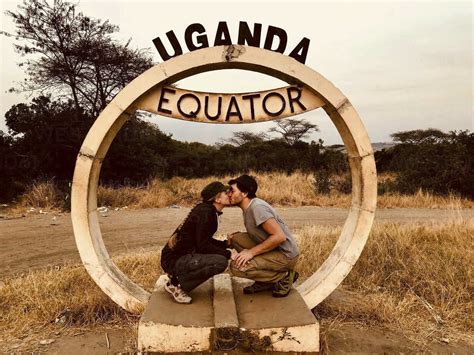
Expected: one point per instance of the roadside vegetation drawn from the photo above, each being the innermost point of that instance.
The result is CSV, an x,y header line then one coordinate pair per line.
x,y
411,278
300,189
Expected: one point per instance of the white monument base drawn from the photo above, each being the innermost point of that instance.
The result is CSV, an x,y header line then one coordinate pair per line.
x,y
222,318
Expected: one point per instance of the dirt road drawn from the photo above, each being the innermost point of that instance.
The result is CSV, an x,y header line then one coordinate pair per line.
x,y
39,240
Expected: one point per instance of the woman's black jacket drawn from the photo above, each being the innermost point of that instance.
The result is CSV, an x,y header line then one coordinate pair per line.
x,y
196,236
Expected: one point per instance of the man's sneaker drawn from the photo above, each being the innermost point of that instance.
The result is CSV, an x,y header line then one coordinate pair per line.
x,y
178,294
283,287
258,287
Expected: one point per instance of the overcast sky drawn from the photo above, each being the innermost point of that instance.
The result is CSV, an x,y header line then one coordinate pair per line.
x,y
403,65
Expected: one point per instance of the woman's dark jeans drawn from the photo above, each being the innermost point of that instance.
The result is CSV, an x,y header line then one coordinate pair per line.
x,y
191,270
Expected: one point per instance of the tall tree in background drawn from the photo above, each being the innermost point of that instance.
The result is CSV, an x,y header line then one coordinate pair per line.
x,y
419,136
294,130
66,49
244,137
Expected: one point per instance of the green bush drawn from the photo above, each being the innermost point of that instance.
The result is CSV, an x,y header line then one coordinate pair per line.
x,y
322,182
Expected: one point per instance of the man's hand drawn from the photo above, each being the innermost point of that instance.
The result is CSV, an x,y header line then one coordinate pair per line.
x,y
233,254
241,260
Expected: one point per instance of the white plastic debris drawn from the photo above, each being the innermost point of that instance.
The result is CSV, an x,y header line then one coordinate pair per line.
x,y
64,316
54,221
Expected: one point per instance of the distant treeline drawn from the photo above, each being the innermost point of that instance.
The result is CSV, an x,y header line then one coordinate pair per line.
x,y
431,160
45,136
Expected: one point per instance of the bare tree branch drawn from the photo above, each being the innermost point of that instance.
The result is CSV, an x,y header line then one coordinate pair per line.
x,y
66,49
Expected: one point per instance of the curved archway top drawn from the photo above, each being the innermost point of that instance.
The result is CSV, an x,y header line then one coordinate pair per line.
x,y
356,229
239,57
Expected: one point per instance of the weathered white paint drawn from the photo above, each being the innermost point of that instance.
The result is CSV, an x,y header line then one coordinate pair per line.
x,y
222,108
356,229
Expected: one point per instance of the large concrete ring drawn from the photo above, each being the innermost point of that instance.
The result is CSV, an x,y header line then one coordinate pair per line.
x,y
316,288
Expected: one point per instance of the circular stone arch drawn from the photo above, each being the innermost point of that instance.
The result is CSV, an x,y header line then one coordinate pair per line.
x,y
355,231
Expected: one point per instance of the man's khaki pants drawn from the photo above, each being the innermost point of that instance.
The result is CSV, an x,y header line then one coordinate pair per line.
x,y
267,267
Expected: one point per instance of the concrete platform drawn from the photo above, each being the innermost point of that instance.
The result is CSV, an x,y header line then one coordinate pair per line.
x,y
167,326
287,321
222,319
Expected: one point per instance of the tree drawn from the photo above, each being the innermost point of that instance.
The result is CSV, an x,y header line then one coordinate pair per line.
x,y
240,138
47,136
432,160
9,165
294,130
69,50
418,136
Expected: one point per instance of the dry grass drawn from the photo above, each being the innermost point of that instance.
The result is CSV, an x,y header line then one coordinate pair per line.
x,y
279,189
423,199
411,278
43,194
30,303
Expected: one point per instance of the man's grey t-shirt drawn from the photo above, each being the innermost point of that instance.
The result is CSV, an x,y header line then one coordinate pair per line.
x,y
259,212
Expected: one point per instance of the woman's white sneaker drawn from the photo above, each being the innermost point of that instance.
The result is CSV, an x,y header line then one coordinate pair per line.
x,y
178,294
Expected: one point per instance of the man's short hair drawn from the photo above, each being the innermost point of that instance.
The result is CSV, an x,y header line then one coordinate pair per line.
x,y
247,184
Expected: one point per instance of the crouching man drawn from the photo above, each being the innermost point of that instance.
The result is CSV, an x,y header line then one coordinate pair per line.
x,y
268,252
192,255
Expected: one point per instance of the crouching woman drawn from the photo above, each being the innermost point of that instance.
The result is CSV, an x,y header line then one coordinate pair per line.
x,y
192,255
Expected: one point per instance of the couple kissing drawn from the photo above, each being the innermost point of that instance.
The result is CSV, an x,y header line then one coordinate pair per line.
x,y
266,253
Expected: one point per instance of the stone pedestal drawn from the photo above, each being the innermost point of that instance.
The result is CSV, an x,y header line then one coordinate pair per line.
x,y
222,318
